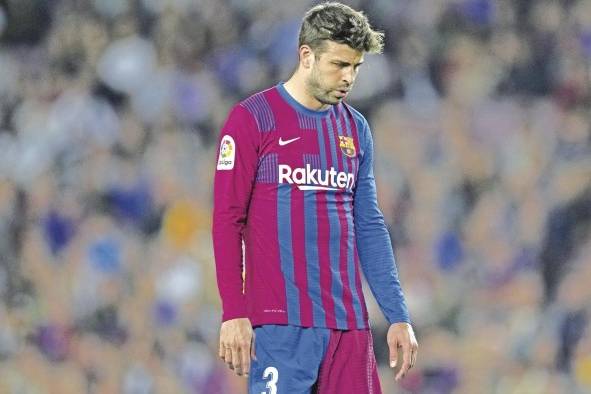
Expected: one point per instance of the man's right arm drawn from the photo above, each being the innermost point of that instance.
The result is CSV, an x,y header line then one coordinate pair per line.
x,y
236,165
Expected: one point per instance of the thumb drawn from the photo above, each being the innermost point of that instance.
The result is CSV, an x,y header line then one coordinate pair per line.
x,y
252,348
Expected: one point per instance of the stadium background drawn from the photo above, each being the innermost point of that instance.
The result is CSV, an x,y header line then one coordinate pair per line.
x,y
109,110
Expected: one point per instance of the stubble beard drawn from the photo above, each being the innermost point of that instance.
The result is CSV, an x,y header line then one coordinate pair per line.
x,y
320,93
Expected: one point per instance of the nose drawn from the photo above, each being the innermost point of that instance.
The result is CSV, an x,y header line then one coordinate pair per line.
x,y
349,74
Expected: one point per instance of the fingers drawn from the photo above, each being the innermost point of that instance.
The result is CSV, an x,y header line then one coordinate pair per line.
x,y
237,357
393,354
252,347
228,357
236,363
406,356
413,359
245,359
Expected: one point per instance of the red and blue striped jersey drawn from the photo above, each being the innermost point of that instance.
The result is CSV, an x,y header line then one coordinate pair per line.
x,y
296,217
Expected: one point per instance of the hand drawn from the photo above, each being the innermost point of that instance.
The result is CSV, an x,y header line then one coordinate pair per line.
x,y
401,335
237,345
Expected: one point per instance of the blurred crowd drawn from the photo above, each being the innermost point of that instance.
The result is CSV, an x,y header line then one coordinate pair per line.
x,y
109,112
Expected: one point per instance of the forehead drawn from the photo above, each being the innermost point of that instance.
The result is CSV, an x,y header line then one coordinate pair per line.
x,y
342,52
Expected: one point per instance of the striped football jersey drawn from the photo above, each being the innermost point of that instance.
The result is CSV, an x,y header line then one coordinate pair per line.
x,y
295,187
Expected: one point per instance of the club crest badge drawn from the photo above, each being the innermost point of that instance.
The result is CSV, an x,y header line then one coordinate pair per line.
x,y
347,145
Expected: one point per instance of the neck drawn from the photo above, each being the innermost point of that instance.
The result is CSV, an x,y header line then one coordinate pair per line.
x,y
296,87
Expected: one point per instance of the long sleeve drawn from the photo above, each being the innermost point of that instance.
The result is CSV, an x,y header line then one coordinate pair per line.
x,y
234,179
373,240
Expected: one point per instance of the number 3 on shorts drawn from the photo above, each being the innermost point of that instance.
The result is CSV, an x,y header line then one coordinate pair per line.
x,y
272,383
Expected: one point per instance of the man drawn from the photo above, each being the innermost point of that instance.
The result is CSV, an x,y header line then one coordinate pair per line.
x,y
294,185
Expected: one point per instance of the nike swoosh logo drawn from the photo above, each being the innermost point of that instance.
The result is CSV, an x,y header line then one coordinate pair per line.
x,y
285,142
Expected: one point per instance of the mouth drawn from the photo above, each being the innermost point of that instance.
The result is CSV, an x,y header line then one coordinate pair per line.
x,y
342,92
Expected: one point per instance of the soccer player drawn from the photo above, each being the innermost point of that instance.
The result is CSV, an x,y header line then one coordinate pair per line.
x,y
296,218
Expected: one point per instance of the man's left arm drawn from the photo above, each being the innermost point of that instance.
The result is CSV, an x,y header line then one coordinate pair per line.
x,y
376,256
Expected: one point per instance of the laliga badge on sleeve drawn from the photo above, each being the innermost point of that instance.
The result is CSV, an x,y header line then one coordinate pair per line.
x,y
227,153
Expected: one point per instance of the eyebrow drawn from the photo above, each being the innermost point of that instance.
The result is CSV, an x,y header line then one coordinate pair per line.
x,y
340,62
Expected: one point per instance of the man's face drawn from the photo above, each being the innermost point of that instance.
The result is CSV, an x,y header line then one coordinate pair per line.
x,y
333,72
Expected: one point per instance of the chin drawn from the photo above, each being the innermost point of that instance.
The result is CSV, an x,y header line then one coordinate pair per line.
x,y
329,100
333,100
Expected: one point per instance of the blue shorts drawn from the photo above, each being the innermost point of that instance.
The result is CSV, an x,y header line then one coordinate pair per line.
x,y
300,360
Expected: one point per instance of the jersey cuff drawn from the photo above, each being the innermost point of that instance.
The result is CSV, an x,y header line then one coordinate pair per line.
x,y
403,318
234,310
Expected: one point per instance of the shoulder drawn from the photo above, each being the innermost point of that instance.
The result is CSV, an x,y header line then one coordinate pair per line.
x,y
250,108
258,106
258,98
358,116
360,121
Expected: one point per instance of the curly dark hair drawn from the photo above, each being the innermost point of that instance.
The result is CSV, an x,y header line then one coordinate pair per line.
x,y
342,24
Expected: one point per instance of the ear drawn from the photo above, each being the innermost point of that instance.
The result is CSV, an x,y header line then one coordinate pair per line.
x,y
306,56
